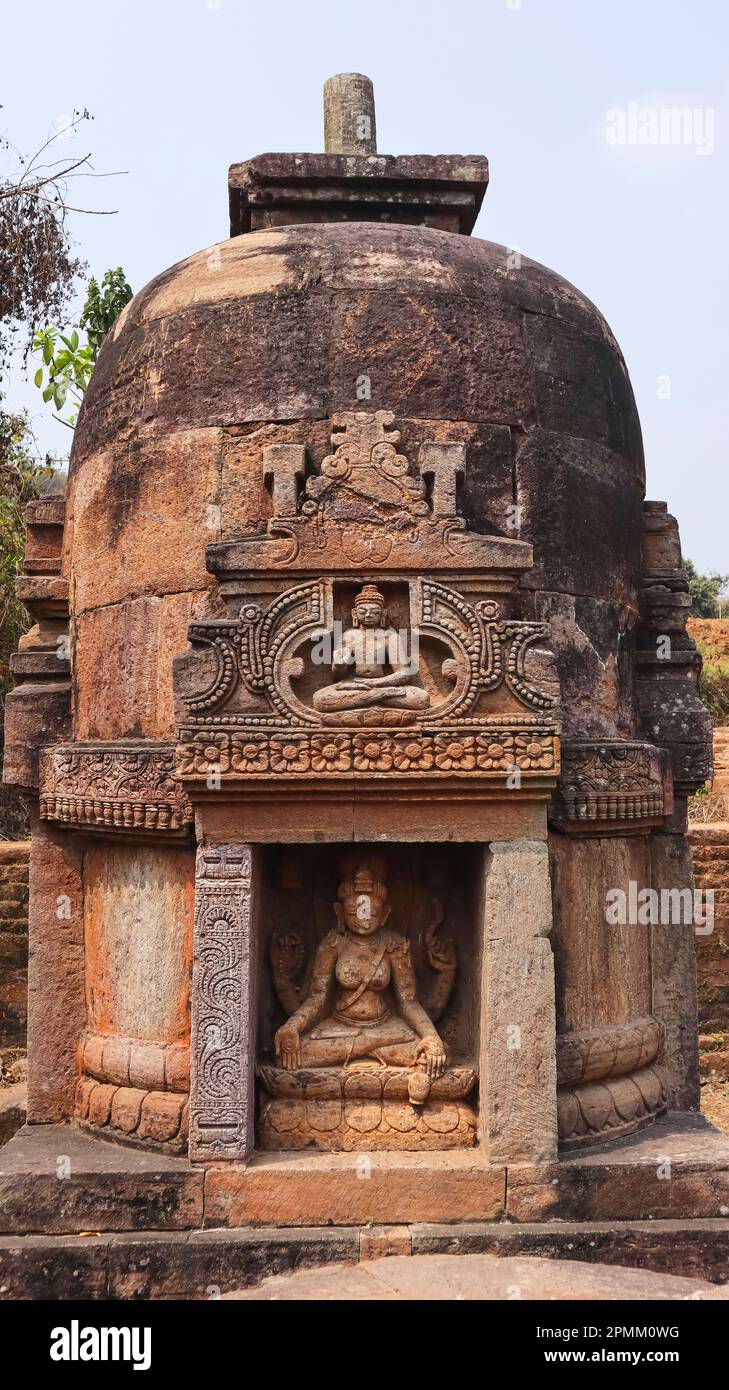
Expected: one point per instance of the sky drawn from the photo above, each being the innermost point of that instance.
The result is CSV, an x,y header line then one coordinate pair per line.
x,y
570,100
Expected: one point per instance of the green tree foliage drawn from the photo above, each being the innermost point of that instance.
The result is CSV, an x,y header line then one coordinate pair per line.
x,y
67,362
704,590
103,306
38,270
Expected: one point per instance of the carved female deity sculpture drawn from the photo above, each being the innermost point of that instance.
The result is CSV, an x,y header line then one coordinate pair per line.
x,y
362,1002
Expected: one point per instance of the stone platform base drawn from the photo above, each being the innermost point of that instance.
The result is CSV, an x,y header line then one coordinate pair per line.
x,y
662,1195
210,1264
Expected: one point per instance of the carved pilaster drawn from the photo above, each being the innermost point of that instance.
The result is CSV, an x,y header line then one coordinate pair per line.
x,y
518,1069
222,1086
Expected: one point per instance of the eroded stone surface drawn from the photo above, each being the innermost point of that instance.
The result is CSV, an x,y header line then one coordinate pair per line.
x,y
443,1278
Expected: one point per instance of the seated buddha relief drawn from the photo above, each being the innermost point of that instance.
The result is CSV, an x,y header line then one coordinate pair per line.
x,y
373,668
361,1036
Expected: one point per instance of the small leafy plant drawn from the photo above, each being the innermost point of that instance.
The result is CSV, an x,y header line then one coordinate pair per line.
x,y
66,362
68,365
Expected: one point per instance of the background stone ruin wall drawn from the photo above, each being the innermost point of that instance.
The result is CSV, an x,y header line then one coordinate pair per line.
x,y
14,864
14,859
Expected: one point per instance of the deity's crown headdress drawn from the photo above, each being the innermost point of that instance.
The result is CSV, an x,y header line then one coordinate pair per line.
x,y
369,593
364,876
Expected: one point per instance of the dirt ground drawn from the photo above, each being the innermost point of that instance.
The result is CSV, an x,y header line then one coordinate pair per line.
x,y
714,1070
13,1068
715,1103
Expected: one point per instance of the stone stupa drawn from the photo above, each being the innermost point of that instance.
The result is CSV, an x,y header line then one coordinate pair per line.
x,y
378,689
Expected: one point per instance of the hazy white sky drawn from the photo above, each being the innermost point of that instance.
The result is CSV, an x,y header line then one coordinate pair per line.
x,y
179,89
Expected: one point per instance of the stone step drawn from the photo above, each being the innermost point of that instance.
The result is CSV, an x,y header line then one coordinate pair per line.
x,y
209,1264
56,1179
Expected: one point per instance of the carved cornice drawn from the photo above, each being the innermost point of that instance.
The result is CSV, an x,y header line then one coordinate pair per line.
x,y
124,786
603,784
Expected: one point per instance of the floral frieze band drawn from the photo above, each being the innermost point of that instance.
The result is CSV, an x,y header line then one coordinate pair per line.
x,y
482,751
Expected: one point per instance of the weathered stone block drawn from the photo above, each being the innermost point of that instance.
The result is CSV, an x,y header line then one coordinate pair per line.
x,y
518,1062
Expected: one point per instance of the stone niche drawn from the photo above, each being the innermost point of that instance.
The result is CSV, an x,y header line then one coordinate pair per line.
x,y
419,978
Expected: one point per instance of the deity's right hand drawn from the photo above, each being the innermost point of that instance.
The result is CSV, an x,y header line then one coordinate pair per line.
x,y
287,1044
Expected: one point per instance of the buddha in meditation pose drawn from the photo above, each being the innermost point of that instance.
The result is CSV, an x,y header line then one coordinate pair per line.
x,y
379,672
363,999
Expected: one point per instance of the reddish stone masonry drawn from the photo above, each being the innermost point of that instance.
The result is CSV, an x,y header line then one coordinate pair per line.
x,y
14,861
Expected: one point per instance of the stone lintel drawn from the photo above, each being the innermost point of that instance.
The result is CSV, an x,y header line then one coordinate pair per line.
x,y
420,818
464,552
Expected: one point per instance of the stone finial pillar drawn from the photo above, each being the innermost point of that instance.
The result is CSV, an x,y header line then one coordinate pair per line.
x,y
283,468
518,1067
349,114
223,1040
38,709
446,465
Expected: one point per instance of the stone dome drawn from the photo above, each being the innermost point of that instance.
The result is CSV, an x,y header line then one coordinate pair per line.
x,y
261,339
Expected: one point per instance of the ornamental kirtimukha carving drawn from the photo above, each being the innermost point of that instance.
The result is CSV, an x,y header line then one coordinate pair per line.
x,y
360,1054
397,652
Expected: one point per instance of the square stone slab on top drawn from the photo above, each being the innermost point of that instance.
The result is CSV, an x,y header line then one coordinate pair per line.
x,y
274,190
